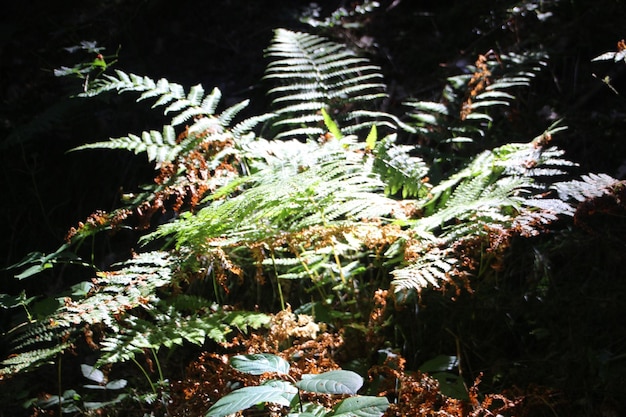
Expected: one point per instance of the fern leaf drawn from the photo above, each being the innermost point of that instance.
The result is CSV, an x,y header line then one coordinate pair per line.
x,y
320,74
227,115
400,171
160,147
430,270
591,186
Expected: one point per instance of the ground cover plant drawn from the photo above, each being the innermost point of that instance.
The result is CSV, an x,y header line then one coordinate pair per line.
x,y
329,244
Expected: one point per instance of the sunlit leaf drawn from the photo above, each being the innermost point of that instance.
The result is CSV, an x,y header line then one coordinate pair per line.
x,y
361,407
247,397
92,373
440,363
332,382
259,363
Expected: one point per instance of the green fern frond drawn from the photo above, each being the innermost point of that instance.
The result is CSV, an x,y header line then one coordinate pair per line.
x,y
283,199
590,186
501,189
167,327
194,104
400,171
174,321
432,269
31,359
114,295
160,147
464,113
299,196
320,74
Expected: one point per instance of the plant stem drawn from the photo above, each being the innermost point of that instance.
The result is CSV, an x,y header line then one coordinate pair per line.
x,y
60,393
280,290
158,364
144,374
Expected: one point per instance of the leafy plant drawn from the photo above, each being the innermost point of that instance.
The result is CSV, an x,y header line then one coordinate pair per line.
x,y
72,402
316,74
466,115
286,391
317,207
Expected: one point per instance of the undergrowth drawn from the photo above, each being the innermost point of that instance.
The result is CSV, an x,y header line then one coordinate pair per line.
x,y
321,205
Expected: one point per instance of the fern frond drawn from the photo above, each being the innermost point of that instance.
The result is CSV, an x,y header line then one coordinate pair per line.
x,y
167,327
31,359
464,113
590,186
194,104
400,171
300,196
114,295
432,269
502,189
320,74
160,147
174,321
287,200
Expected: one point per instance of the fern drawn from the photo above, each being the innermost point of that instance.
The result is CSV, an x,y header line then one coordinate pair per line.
x,y
113,294
192,105
167,325
159,147
31,359
288,197
400,171
591,186
319,74
193,162
468,100
500,189
430,270
327,212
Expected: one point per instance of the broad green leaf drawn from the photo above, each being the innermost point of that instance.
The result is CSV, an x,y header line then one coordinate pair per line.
x,y
247,397
332,382
361,407
451,385
287,388
92,373
259,363
440,363
117,384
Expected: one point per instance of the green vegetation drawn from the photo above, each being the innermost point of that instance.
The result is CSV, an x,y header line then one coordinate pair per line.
x,y
330,243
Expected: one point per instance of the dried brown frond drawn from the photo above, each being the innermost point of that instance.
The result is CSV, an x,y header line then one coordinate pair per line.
x,y
99,220
479,81
376,318
612,204
207,379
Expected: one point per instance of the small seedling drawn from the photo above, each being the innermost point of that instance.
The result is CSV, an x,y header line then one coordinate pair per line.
x,y
286,391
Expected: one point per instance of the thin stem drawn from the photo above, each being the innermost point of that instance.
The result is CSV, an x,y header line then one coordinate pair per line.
x,y
280,290
216,288
458,357
334,249
313,275
60,393
158,364
144,374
